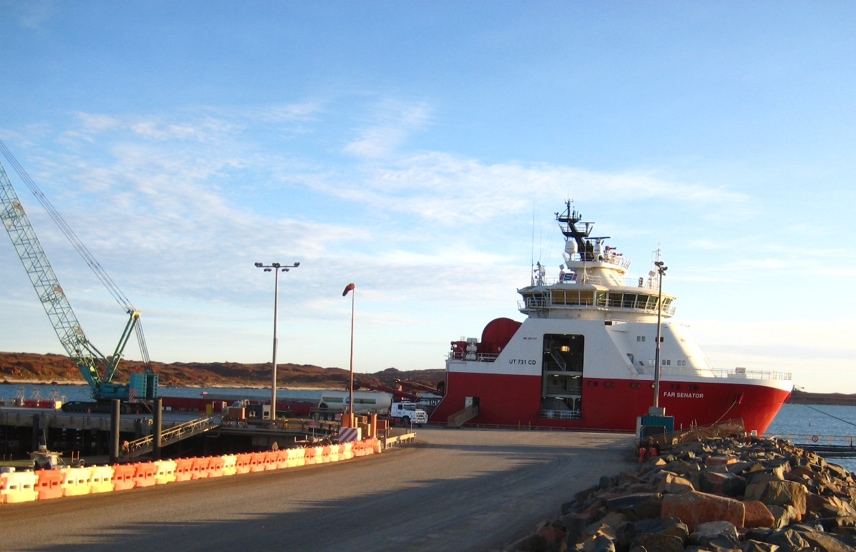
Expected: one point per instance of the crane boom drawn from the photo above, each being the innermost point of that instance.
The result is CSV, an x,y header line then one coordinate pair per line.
x,y
89,360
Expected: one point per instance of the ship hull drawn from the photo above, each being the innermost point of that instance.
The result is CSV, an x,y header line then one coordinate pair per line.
x,y
612,404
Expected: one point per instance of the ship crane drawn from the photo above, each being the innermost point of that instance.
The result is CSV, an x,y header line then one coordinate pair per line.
x,y
97,369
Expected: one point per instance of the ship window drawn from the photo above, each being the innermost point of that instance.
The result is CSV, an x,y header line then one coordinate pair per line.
x,y
640,338
629,300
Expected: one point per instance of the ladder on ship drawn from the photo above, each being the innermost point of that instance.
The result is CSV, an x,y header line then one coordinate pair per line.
x,y
145,445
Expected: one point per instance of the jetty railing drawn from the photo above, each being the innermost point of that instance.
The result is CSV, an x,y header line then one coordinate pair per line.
x,y
144,445
828,446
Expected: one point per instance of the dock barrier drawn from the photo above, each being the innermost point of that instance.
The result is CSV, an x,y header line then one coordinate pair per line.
x,y
17,487
165,472
28,486
229,464
100,479
49,484
75,481
123,477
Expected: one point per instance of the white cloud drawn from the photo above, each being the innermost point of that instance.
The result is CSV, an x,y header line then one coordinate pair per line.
x,y
393,122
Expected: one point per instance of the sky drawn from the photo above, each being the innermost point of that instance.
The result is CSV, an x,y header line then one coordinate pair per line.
x,y
420,150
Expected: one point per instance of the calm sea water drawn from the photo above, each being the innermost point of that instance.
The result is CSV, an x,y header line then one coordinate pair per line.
x,y
800,423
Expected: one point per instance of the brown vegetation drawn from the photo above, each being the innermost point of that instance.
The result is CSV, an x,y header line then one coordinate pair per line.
x,y
30,367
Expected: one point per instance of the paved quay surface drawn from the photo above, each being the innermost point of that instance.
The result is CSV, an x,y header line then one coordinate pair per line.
x,y
465,489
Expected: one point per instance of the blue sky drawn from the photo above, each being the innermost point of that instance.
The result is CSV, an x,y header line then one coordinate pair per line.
x,y
419,150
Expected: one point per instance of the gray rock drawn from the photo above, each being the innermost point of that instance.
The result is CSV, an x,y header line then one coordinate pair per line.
x,y
716,533
788,540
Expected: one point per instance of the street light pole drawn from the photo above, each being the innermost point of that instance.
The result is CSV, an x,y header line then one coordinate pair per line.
x,y
351,287
661,272
276,268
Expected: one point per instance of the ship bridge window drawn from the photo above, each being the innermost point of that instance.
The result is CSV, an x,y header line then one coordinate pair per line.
x,y
628,300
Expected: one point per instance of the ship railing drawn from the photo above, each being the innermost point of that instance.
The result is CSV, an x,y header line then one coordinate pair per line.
x,y
648,283
477,357
734,373
743,373
617,303
550,414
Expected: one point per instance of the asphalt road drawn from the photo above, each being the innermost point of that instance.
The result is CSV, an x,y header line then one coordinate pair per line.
x,y
453,490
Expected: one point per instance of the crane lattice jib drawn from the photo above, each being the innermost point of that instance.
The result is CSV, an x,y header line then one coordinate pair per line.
x,y
45,282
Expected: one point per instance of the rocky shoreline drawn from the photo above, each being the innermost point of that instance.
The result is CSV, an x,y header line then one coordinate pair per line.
x,y
719,494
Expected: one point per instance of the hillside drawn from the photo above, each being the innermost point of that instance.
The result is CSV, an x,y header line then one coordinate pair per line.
x,y
36,368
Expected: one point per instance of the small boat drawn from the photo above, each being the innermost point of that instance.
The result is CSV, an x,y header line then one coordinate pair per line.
x,y
586,356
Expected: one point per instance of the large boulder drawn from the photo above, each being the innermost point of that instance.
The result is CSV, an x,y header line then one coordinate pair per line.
x,y
694,507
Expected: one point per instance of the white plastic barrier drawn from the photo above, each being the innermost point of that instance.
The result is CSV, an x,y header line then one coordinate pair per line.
x,y
165,472
75,481
100,479
229,464
16,487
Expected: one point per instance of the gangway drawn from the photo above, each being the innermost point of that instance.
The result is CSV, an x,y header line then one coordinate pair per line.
x,y
145,445
461,417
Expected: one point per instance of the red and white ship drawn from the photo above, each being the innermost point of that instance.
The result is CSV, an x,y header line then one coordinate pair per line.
x,y
585,355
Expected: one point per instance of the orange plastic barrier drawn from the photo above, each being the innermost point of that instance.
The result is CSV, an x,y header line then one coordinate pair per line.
x,y
269,459
325,454
49,484
283,459
183,469
200,467
165,472
229,467
16,487
358,448
215,466
257,462
242,462
309,455
123,476
144,475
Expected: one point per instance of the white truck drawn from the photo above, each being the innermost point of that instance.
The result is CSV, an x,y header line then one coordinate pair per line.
x,y
407,413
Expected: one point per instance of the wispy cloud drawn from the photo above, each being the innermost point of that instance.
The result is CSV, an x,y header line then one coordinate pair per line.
x,y
391,124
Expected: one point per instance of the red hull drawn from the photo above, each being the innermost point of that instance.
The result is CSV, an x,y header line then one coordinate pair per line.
x,y
611,404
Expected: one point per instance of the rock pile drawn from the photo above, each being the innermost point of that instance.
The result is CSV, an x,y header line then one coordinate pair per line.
x,y
747,494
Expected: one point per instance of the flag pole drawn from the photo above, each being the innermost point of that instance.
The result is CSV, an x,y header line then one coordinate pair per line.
x,y
348,288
